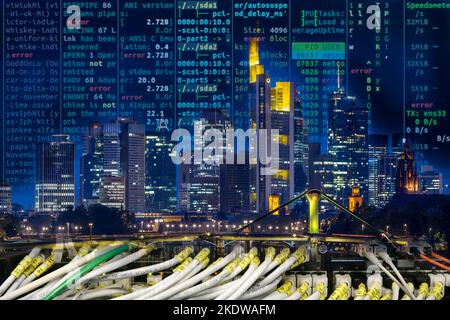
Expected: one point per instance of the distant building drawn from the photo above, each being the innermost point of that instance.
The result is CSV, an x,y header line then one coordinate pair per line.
x,y
132,163
111,149
321,172
430,181
386,179
5,198
55,170
91,164
198,183
160,185
112,192
378,147
407,181
234,188
115,149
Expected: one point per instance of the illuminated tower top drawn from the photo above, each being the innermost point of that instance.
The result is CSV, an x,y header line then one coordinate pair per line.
x,y
253,60
281,97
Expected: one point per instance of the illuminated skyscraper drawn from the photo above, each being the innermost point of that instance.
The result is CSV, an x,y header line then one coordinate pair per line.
x,y
337,141
256,68
91,165
358,169
301,150
378,146
111,148
260,118
282,119
55,182
347,144
114,150
321,172
160,185
382,170
198,183
132,163
386,176
273,108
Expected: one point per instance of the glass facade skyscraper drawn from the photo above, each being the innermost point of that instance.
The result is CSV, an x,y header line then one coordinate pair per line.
x,y
160,185
348,145
55,175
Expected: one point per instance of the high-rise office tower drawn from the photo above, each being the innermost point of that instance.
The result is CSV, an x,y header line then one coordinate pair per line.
x,y
386,175
55,169
282,119
358,169
301,150
321,172
274,108
383,157
198,182
91,165
132,164
235,188
337,141
378,146
5,198
160,185
111,149
347,144
260,118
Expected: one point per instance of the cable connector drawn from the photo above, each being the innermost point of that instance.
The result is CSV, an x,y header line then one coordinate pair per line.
x,y
437,277
375,280
307,282
321,280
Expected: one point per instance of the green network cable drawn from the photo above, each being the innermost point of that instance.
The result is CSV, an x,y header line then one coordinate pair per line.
x,y
85,269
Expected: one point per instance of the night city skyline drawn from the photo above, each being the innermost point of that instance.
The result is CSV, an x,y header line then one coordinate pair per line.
x,y
105,150
320,60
